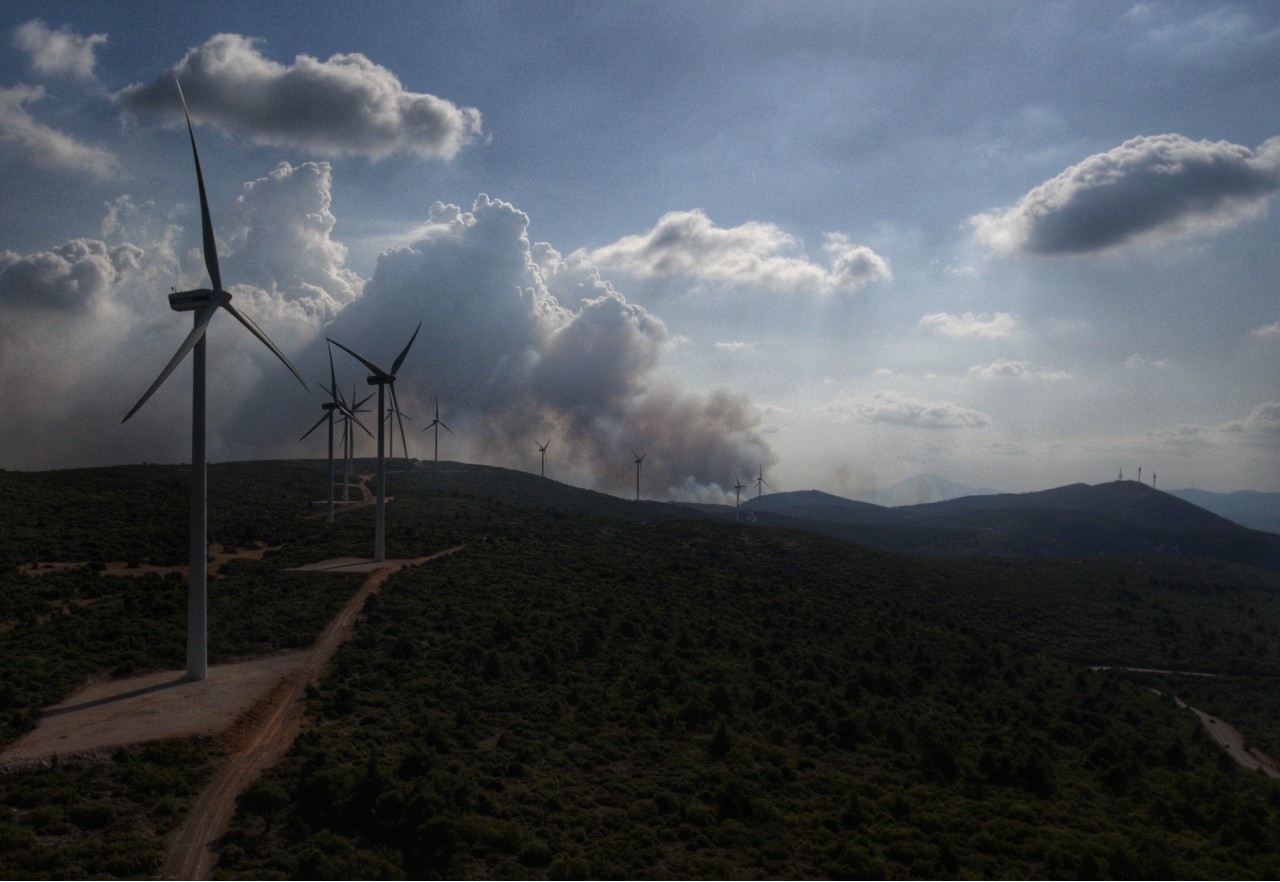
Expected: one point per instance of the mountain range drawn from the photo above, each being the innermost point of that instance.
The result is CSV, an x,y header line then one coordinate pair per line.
x,y
1077,520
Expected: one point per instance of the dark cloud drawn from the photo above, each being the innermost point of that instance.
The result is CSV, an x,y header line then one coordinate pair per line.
x,y
1147,188
345,105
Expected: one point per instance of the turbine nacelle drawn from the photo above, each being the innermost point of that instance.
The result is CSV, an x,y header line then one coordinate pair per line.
x,y
189,301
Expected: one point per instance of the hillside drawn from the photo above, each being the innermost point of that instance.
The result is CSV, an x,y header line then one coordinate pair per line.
x,y
595,687
1123,518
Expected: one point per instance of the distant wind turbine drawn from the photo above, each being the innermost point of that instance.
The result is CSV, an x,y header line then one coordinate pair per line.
x,y
437,425
382,379
737,492
639,459
349,438
760,482
394,412
204,302
542,448
334,403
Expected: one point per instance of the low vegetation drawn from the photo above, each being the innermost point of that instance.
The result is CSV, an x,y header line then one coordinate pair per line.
x,y
595,687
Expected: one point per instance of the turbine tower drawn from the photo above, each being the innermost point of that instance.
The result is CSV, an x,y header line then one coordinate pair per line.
x,y
737,493
334,403
437,425
203,302
639,459
382,379
542,448
760,482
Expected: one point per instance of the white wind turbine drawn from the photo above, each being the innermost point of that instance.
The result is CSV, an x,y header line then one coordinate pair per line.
x,y
382,379
204,302
349,438
437,425
334,403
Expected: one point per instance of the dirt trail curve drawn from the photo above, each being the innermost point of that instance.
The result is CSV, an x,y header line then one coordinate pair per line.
x,y
267,731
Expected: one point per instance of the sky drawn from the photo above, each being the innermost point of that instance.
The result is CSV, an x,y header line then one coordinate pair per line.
x,y
1018,245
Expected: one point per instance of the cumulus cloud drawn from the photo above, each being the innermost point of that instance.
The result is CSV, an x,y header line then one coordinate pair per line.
x,y
689,244
347,105
1007,368
1259,429
519,342
58,53
970,326
889,407
1271,331
281,239
1147,189
41,146
74,277
90,317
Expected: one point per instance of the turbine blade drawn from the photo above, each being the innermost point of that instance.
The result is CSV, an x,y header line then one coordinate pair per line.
x,y
316,426
261,335
361,403
446,428
361,425
396,407
333,380
377,371
395,367
187,345
210,247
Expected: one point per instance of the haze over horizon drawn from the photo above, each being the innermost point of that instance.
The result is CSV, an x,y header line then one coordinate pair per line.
x,y
1019,246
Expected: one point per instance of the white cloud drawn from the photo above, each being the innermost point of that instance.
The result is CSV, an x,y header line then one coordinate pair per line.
x,y
1009,368
1271,331
40,145
1139,362
1260,428
347,105
58,53
281,239
687,243
733,346
1147,189
888,407
983,327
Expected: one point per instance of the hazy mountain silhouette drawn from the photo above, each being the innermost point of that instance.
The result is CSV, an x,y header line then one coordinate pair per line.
x,y
1248,508
1078,520
921,489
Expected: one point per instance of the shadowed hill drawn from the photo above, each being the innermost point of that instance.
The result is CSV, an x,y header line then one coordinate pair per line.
x,y
1078,520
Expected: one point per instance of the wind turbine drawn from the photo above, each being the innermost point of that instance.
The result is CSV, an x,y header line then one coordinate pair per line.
x,y
334,403
760,482
437,425
737,492
639,459
203,302
400,416
382,379
348,436
542,448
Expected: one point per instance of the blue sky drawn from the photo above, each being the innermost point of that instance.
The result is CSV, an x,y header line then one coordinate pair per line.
x,y
1019,245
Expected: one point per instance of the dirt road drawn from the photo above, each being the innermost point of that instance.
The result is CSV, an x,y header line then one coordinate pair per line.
x,y
254,708
270,730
